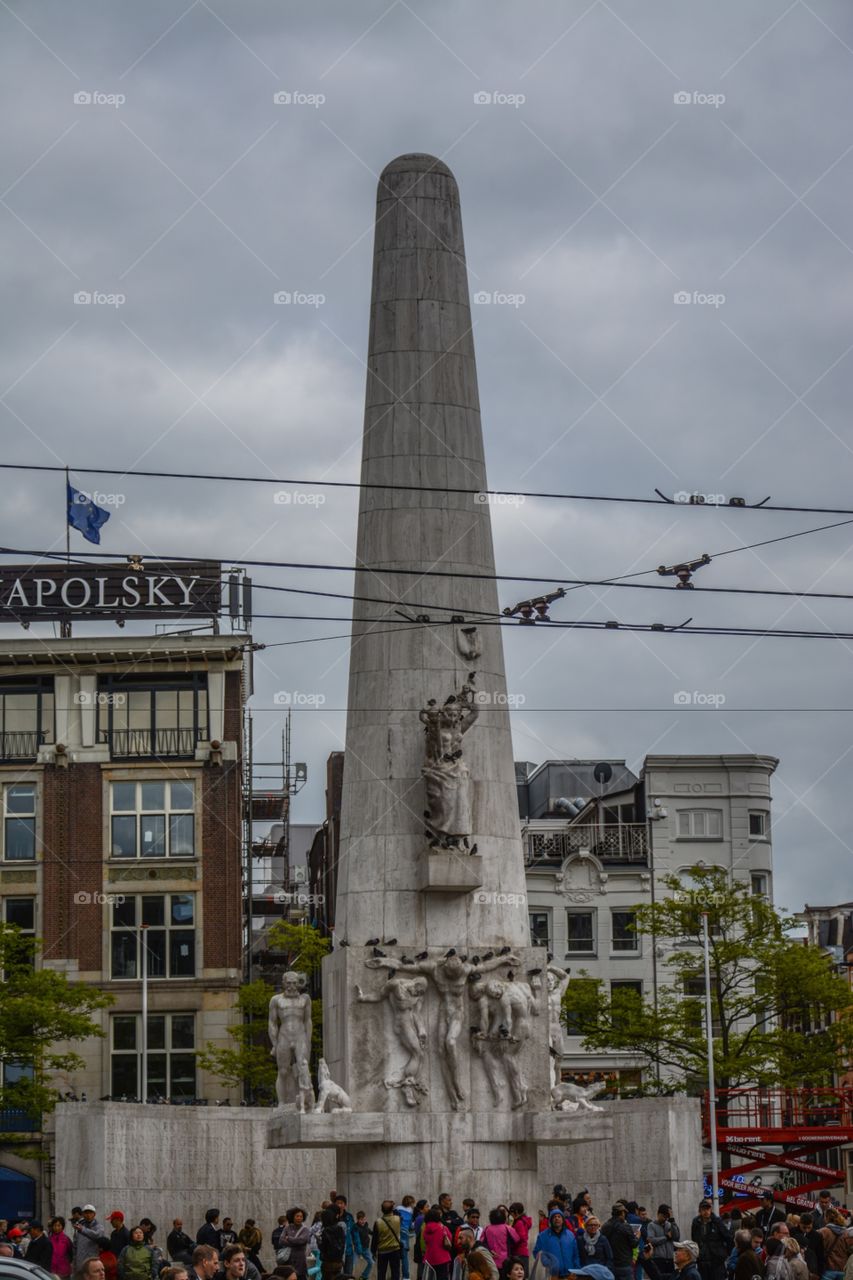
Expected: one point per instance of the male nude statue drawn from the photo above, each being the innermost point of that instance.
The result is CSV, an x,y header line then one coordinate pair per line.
x,y
290,1034
405,997
450,975
558,981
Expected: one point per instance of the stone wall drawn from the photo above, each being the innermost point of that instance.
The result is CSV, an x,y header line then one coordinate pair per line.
x,y
170,1162
177,1162
655,1158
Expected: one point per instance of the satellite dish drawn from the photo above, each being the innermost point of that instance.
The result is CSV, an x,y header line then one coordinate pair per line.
x,y
602,772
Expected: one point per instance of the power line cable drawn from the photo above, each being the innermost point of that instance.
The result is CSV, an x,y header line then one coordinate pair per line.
x,y
660,501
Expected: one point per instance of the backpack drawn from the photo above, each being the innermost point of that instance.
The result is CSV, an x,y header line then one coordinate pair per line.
x,y
332,1243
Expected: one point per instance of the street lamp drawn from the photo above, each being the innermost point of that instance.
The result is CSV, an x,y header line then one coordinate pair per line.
x,y
144,944
712,1093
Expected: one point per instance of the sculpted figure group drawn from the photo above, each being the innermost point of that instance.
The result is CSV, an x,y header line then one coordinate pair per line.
x,y
499,1021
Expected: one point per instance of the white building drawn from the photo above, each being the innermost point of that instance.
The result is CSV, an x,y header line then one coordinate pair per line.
x,y
599,841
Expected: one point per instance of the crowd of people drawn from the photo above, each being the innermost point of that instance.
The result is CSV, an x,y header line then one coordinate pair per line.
x,y
423,1240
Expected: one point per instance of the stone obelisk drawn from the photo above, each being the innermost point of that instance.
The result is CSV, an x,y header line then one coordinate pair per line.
x,y
435,1004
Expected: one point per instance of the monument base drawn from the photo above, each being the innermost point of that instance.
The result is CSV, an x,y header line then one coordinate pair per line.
x,y
342,1129
491,1155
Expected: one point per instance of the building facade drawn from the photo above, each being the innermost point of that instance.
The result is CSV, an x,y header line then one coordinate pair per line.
x,y
122,783
600,841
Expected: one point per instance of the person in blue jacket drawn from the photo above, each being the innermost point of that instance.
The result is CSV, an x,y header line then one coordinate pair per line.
x,y
557,1247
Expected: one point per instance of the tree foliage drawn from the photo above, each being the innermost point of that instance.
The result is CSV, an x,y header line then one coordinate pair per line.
x,y
780,1014
246,1062
303,945
42,1014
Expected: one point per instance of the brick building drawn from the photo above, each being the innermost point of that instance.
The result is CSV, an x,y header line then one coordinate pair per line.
x,y
122,782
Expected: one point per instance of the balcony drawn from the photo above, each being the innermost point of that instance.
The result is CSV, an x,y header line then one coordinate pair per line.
x,y
618,844
17,1120
20,746
135,744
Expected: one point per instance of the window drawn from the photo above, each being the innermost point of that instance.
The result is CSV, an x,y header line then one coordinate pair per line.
x,y
19,822
26,718
694,990
758,824
540,928
20,912
152,819
140,717
577,996
167,923
700,824
626,999
758,884
580,931
171,1060
624,931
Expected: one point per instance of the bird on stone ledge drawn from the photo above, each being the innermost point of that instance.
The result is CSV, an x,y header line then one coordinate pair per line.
x,y
378,954
422,955
372,942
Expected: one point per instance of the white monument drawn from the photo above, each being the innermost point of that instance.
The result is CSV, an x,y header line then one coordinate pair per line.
x,y
436,1011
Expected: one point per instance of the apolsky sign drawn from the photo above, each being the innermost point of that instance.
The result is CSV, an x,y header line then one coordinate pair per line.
x,y
161,589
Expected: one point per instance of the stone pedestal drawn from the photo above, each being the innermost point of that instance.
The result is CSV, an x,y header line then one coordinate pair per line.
x,y
489,1155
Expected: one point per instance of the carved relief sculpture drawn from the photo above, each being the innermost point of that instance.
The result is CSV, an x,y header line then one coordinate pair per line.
x,y
505,1007
405,997
290,1036
446,778
450,974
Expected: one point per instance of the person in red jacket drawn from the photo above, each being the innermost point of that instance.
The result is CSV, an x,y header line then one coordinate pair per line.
x,y
438,1244
522,1224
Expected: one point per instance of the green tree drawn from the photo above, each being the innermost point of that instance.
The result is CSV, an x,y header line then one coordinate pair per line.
x,y
42,1014
303,945
769,993
246,1062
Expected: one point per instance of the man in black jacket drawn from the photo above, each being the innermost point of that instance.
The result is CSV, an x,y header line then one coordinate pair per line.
x,y
769,1214
449,1216
622,1240
119,1235
714,1241
178,1244
209,1232
39,1250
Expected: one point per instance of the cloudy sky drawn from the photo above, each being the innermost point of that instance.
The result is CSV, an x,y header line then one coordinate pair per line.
x,y
624,154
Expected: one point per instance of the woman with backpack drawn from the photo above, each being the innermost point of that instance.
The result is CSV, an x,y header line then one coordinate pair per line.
x,y
438,1244
332,1243
499,1238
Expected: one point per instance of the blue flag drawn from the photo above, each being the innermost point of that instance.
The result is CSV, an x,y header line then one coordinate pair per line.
x,y
85,515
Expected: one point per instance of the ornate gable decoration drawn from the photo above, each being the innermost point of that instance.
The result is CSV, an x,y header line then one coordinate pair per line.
x,y
581,877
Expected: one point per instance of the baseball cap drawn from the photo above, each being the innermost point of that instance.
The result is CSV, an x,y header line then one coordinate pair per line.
x,y
691,1247
89,1208
15,1233
116,1213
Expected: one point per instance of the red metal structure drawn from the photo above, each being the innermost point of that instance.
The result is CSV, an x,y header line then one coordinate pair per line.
x,y
780,1128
